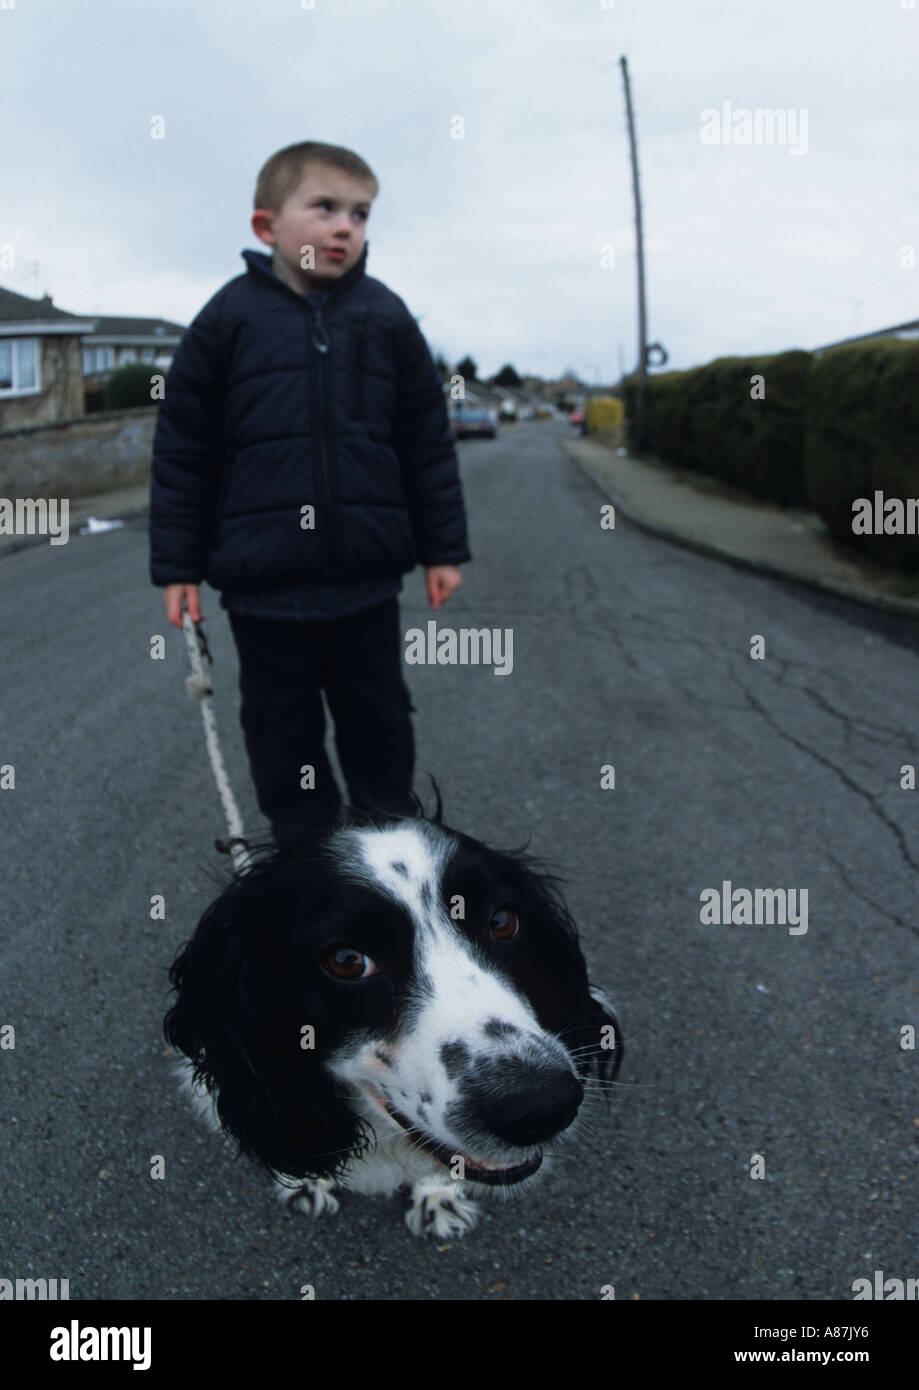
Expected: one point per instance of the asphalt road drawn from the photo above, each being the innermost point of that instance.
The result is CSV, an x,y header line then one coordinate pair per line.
x,y
742,1040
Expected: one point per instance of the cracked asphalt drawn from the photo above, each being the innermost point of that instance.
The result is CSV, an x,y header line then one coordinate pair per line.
x,y
742,1040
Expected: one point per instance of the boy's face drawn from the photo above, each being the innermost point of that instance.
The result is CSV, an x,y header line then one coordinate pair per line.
x,y
328,211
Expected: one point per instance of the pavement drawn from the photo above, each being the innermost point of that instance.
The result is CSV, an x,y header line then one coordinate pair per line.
x,y
688,509
702,514
121,504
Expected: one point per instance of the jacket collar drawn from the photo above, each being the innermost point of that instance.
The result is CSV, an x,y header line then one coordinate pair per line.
x,y
259,264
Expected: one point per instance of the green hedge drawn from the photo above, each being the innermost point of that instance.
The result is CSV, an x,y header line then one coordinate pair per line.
x,y
130,386
829,430
707,419
862,437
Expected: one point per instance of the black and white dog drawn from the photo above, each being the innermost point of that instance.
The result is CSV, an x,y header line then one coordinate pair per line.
x,y
396,1004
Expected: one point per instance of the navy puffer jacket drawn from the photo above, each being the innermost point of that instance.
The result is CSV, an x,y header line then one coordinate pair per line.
x,y
274,403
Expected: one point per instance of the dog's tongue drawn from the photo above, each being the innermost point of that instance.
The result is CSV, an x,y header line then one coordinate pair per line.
x,y
497,1174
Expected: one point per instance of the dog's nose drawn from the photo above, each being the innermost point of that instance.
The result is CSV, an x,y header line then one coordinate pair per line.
x,y
531,1105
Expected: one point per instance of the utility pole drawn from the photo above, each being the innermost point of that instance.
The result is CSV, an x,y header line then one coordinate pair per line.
x,y
640,439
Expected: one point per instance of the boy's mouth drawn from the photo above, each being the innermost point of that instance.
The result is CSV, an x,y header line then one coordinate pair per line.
x,y
335,254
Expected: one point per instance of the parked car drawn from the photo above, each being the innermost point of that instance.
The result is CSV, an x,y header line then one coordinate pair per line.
x,y
576,417
474,421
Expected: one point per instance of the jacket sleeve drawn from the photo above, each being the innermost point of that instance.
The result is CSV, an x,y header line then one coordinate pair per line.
x,y
188,454
423,441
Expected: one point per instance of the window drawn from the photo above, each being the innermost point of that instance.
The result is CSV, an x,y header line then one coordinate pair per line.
x,y
97,359
127,355
19,370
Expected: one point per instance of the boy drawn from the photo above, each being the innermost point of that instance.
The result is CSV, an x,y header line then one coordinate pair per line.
x,y
302,463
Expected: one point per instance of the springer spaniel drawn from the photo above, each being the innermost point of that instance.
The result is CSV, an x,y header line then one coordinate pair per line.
x,y
394,1004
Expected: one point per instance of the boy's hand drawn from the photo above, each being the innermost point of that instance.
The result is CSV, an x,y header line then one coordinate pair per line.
x,y
441,581
174,593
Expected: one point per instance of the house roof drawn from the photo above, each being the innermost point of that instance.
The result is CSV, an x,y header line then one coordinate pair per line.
x,y
19,308
117,326
905,330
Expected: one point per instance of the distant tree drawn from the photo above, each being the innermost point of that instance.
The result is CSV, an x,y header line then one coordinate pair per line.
x,y
506,377
442,365
467,369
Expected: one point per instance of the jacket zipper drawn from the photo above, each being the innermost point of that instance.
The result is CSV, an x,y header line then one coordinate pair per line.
x,y
327,532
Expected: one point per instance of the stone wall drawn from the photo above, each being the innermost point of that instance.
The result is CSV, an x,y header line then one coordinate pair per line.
x,y
95,453
61,378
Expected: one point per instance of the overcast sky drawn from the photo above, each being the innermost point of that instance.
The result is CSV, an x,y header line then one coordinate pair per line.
x,y
501,243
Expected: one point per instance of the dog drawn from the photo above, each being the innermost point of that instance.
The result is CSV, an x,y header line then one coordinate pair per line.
x,y
395,1003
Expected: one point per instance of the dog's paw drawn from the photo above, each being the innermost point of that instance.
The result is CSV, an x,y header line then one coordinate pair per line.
x,y
440,1211
314,1197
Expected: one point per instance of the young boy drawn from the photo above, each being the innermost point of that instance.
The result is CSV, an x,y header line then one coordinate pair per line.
x,y
302,463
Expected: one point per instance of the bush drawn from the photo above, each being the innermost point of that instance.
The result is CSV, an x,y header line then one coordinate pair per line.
x,y
130,386
708,419
603,413
828,430
758,444
862,436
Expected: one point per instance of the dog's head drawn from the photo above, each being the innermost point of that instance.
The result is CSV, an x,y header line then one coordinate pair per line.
x,y
395,980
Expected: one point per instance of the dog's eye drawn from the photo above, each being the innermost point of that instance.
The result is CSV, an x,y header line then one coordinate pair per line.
x,y
504,924
345,963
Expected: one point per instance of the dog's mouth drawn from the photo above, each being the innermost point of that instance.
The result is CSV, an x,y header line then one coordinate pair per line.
x,y
472,1170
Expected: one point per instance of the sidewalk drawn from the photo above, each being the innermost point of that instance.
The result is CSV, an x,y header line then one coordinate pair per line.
x,y
702,514
124,504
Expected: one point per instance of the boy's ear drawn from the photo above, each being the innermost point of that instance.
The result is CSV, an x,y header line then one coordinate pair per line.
x,y
263,225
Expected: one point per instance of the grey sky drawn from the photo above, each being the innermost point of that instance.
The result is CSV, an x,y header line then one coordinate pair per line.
x,y
495,241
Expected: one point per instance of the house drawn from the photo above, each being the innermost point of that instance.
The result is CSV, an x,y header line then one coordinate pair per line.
x,y
41,370
906,331
53,364
115,341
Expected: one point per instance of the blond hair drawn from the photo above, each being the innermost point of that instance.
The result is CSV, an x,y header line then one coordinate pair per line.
x,y
280,175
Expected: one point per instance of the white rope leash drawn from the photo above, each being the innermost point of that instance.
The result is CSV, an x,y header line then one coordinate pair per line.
x,y
199,688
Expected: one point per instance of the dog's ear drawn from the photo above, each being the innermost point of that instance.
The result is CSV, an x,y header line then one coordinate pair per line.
x,y
241,1017
604,1035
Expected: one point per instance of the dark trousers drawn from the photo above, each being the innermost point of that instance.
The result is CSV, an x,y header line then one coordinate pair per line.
x,y
357,662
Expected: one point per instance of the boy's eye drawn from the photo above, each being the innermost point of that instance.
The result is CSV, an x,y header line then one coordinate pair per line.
x,y
362,213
